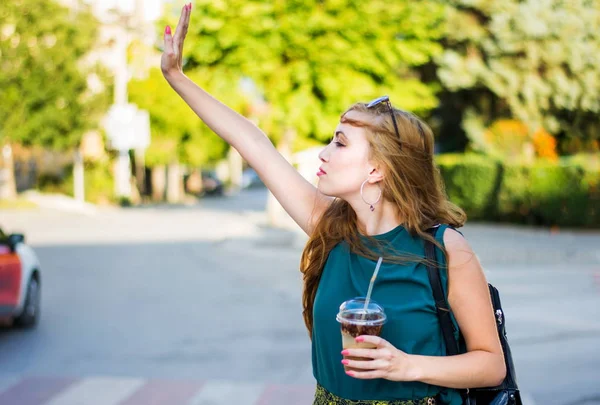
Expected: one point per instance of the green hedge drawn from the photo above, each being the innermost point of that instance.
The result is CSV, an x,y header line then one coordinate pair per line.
x,y
565,193
99,184
471,183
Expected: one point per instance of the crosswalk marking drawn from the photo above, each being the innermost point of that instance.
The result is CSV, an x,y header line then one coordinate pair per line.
x,y
133,391
34,390
162,392
98,391
222,393
287,394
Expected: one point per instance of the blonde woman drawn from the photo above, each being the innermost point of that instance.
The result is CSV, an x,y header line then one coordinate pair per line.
x,y
378,193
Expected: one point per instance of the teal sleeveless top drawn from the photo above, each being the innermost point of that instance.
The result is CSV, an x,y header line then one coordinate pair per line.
x,y
412,325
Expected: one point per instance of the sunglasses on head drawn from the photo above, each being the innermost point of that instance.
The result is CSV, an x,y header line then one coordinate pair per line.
x,y
386,100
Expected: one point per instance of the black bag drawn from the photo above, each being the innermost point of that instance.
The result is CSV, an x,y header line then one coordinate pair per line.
x,y
506,393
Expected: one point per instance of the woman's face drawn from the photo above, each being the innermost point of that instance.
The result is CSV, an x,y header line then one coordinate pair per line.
x,y
345,161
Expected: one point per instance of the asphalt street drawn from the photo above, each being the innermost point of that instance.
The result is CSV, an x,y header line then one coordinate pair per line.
x,y
204,300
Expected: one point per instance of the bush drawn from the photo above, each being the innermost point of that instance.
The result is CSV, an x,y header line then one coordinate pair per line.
x,y
544,193
99,184
507,138
565,193
472,182
52,183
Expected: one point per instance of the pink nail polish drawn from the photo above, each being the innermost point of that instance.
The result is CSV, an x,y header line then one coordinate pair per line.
x,y
345,352
350,373
360,339
168,30
345,362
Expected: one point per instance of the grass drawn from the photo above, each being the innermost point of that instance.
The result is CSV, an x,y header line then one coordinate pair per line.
x,y
17,204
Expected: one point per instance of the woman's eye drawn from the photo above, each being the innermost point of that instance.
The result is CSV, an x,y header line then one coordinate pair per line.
x,y
339,144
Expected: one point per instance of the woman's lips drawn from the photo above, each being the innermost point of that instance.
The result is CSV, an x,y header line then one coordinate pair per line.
x,y
321,172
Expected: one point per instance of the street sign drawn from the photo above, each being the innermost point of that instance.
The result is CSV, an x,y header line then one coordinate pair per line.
x,y
127,127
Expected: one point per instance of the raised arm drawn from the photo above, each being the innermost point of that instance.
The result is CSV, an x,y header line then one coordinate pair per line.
x,y
302,201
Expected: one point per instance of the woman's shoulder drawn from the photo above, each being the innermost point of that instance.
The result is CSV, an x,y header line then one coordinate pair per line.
x,y
457,246
451,234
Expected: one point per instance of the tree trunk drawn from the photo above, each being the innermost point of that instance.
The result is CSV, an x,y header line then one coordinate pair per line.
x,y
8,186
159,182
174,183
78,177
276,215
140,171
236,168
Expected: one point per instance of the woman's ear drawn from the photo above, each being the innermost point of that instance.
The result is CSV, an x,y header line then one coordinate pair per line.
x,y
376,175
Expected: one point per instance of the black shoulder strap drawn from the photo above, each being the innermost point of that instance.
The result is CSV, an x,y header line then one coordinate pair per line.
x,y
443,310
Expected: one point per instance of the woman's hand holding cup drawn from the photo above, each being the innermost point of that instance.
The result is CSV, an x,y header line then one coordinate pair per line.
x,y
384,361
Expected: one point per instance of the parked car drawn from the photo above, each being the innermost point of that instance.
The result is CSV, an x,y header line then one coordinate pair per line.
x,y
250,179
211,184
203,183
20,281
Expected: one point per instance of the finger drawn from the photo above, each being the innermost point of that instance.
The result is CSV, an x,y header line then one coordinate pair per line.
x,y
366,375
364,353
177,35
168,40
185,26
365,365
376,340
186,23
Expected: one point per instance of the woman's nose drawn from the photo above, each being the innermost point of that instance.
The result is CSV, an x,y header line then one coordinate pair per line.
x,y
323,155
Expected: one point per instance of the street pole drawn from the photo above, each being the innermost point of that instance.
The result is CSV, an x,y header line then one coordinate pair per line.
x,y
127,127
123,164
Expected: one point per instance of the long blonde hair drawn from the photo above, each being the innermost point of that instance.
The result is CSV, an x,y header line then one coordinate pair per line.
x,y
411,181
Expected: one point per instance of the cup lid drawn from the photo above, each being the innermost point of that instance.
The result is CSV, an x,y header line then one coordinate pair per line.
x,y
354,310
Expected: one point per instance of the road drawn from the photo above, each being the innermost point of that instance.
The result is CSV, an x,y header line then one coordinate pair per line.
x,y
201,305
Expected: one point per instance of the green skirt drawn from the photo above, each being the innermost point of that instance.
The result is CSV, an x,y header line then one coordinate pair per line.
x,y
324,397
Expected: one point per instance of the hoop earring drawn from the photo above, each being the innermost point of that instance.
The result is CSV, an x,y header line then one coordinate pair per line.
x,y
372,208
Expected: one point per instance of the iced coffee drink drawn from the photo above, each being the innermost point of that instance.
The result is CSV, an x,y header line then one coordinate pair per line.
x,y
356,320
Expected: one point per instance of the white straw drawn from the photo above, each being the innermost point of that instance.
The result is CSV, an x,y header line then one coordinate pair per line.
x,y
371,285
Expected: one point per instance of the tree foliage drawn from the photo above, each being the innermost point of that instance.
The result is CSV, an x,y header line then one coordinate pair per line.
x,y
310,60
45,96
177,134
537,61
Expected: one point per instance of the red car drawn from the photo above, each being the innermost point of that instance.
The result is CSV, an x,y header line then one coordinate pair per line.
x,y
20,281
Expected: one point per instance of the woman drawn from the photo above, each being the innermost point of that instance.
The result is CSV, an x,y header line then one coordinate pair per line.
x,y
378,193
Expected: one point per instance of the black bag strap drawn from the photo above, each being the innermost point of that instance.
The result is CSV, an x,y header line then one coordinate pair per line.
x,y
441,305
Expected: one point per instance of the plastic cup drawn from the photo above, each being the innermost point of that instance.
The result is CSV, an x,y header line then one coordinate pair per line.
x,y
355,321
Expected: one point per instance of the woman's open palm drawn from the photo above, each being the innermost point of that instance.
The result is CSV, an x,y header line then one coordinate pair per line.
x,y
171,59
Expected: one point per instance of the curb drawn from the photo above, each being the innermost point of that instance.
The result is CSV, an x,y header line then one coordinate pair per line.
x,y
60,202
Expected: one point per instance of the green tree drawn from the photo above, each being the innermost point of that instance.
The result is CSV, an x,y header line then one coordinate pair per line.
x,y
45,97
537,61
177,134
310,60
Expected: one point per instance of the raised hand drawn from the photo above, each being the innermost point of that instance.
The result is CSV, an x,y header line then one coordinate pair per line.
x,y
296,194
171,60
